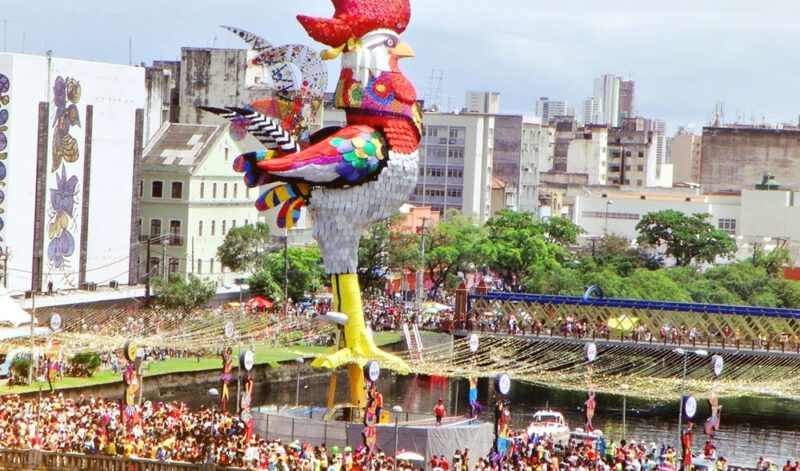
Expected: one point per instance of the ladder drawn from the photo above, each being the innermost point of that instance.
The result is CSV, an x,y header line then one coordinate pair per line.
x,y
413,341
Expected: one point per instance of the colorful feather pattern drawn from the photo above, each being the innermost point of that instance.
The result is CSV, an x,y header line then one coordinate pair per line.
x,y
349,156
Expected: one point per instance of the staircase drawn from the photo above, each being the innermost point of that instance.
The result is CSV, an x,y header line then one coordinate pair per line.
x,y
413,341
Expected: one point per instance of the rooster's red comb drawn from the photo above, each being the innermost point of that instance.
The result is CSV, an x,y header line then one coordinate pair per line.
x,y
355,18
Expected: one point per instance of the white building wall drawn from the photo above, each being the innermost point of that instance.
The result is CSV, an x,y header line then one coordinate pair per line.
x,y
115,92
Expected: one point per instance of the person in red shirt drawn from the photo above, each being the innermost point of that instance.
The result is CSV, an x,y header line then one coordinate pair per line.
x,y
439,412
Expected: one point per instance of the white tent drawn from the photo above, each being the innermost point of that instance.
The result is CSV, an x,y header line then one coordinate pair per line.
x,y
10,312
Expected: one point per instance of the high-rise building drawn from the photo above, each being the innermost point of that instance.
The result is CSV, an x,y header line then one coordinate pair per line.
x,y
548,109
684,155
592,110
627,91
482,102
606,89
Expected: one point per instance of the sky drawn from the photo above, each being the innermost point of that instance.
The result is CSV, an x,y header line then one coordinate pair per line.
x,y
684,55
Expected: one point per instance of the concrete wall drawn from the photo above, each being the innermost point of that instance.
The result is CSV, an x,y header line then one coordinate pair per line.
x,y
736,158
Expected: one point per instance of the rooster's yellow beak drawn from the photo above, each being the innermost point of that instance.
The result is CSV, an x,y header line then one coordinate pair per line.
x,y
402,50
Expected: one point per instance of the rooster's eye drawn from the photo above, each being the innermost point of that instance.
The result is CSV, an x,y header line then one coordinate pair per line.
x,y
389,42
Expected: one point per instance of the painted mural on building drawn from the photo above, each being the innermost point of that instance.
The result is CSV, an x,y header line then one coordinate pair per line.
x,y
5,99
63,221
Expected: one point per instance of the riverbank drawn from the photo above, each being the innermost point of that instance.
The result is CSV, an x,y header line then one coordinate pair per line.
x,y
266,357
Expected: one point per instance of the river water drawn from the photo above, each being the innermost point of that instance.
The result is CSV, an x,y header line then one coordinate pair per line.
x,y
750,428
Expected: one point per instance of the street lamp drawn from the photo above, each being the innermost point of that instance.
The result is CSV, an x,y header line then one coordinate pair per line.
x,y
624,388
397,411
685,354
298,361
608,203
213,394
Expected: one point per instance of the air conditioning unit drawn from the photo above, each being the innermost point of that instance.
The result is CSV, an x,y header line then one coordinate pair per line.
x,y
113,284
92,286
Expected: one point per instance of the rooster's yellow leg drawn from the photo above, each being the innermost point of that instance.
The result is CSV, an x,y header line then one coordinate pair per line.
x,y
358,346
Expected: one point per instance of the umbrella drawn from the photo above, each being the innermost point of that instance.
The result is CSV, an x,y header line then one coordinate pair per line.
x,y
410,456
623,323
435,306
259,302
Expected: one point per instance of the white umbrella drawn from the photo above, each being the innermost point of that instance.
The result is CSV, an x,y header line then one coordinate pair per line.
x,y
410,456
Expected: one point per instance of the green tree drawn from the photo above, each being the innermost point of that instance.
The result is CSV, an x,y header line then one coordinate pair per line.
x,y
774,261
244,247
517,242
655,285
555,279
686,238
456,244
263,284
306,272
384,248
183,293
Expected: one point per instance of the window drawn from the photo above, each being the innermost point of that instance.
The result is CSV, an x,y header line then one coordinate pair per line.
x,y
214,190
455,153
157,189
155,228
454,134
455,173
226,152
155,266
432,131
213,227
627,168
211,266
177,190
641,153
435,172
235,190
627,153
602,215
141,188
174,265
224,227
246,222
728,226
200,228
202,190
224,190
233,223
454,192
175,232
422,171
638,182
640,168
247,193
199,265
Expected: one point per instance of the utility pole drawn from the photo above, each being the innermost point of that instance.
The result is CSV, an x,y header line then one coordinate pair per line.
x,y
165,242
421,272
147,276
285,272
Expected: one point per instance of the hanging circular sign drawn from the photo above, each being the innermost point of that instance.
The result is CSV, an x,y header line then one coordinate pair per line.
x,y
474,343
372,371
55,322
717,364
130,350
590,352
230,330
247,359
502,384
689,406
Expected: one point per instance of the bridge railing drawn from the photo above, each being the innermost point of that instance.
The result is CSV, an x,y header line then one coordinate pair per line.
x,y
678,324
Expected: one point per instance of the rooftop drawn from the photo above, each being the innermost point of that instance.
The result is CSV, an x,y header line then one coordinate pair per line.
x,y
180,145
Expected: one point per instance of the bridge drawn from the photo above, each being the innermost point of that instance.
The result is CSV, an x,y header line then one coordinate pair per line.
x,y
641,345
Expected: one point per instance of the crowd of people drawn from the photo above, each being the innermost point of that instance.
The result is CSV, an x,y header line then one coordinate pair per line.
x,y
165,431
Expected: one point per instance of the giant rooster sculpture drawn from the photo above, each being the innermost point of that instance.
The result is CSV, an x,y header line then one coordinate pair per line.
x,y
349,177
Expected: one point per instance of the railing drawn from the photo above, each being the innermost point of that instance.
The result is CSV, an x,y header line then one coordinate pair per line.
x,y
635,321
30,460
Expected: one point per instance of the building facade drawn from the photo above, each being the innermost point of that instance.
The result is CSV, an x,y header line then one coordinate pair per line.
x,y
736,158
482,102
190,199
627,96
71,134
685,151
548,109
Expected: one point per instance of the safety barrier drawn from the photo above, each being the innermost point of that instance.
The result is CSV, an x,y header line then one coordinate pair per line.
x,y
36,460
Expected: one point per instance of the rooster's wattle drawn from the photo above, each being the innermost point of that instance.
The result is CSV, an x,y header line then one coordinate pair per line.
x,y
349,177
